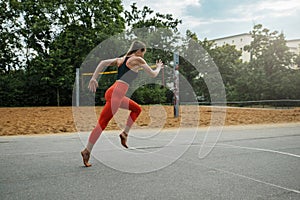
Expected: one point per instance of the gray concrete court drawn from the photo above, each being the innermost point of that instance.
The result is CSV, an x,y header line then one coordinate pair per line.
x,y
247,162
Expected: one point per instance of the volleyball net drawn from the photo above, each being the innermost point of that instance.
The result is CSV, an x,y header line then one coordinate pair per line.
x,y
168,78
164,80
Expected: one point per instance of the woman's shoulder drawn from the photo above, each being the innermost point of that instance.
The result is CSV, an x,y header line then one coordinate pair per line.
x,y
136,59
120,61
135,62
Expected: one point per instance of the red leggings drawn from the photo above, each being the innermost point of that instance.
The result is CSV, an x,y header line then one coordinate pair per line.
x,y
115,99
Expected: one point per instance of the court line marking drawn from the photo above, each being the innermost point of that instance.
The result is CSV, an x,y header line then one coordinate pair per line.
x,y
32,153
217,169
235,174
261,149
253,179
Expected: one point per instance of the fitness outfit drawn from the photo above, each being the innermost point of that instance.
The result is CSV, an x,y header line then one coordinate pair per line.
x,y
115,99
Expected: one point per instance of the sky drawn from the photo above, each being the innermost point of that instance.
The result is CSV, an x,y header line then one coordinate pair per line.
x,y
214,19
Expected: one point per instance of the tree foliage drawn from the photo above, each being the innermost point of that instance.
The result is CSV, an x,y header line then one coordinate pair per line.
x,y
225,59
10,42
43,42
146,18
268,75
53,38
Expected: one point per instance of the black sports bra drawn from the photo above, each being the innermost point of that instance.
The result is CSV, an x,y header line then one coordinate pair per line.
x,y
125,73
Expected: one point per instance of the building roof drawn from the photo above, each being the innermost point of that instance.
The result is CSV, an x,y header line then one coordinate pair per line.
x,y
248,34
231,36
294,40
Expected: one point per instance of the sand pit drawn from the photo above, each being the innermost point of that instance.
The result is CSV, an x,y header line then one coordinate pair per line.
x,y
45,120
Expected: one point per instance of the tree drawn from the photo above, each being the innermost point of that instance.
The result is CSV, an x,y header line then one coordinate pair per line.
x,y
150,94
82,26
159,32
270,63
225,59
142,18
12,88
297,61
43,42
10,42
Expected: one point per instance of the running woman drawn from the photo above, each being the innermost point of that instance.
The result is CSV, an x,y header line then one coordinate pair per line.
x,y
115,95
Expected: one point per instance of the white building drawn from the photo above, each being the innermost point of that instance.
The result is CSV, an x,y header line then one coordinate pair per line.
x,y
294,45
241,40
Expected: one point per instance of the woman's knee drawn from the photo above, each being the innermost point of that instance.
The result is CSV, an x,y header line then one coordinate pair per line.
x,y
138,109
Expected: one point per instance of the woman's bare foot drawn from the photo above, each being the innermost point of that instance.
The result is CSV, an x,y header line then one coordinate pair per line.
x,y
123,137
85,157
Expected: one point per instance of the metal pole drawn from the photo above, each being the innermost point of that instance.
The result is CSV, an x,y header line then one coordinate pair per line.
x,y
163,77
176,84
77,87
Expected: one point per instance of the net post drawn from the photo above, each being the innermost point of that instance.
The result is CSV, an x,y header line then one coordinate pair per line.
x,y
176,84
77,87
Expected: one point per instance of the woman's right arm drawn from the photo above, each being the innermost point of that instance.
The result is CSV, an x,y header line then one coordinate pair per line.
x,y
147,68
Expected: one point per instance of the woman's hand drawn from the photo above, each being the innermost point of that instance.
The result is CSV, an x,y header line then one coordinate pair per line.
x,y
93,84
159,63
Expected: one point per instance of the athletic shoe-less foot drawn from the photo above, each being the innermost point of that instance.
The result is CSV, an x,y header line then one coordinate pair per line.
x,y
123,137
85,157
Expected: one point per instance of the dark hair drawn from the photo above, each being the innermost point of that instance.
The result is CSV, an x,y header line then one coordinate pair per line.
x,y
135,46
